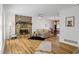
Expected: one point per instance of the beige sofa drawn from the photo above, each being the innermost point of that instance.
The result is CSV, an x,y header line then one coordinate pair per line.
x,y
44,33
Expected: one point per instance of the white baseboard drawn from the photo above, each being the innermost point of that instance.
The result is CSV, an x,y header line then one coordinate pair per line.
x,y
69,43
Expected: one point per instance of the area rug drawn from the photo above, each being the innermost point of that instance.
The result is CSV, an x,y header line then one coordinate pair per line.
x,y
76,51
37,38
44,46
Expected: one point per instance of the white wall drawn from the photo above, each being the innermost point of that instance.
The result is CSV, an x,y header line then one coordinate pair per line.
x,y
43,23
9,21
70,33
0,28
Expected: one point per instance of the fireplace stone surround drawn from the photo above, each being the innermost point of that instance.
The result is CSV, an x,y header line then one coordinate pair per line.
x,y
23,25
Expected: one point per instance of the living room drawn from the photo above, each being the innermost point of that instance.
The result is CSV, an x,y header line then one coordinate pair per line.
x,y
40,29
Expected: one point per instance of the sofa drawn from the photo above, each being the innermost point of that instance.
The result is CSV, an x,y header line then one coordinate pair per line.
x,y
45,33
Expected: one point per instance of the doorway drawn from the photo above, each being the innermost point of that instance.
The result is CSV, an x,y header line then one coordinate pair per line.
x,y
56,28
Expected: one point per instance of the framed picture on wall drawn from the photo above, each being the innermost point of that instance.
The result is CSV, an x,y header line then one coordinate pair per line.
x,y
70,21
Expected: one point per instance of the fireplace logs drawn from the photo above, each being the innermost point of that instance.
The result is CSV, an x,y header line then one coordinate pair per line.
x,y
24,32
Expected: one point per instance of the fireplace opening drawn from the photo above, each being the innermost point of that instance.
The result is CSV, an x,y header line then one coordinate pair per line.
x,y
24,32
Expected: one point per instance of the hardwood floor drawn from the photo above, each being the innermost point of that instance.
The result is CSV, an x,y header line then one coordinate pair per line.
x,y
21,45
28,46
61,48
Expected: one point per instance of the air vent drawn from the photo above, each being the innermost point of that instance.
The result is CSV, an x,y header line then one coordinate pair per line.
x,y
70,41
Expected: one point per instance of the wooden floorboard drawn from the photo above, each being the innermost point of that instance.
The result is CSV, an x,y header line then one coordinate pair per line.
x,y
28,46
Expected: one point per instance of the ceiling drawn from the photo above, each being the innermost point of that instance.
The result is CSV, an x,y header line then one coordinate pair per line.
x,y
36,9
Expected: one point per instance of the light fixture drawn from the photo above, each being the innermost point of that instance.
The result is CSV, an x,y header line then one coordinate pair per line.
x,y
40,16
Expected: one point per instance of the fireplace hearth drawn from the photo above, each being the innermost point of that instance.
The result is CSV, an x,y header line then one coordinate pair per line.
x,y
24,32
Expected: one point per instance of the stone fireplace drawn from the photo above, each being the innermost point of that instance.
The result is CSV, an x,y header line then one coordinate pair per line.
x,y
23,25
